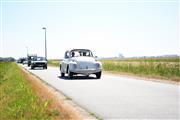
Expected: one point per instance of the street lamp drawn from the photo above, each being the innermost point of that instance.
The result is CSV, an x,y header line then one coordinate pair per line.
x,y
45,43
27,50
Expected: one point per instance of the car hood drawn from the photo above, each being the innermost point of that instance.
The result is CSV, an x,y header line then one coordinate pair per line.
x,y
83,59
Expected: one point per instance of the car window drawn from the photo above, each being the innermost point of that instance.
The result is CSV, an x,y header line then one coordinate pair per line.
x,y
39,59
77,53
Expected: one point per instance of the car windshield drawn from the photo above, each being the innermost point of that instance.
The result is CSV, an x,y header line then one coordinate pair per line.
x,y
78,53
39,59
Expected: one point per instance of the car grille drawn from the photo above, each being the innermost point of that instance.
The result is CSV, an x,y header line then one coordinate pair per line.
x,y
86,65
41,63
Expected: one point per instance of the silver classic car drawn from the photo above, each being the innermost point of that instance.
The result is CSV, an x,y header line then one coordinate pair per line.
x,y
80,61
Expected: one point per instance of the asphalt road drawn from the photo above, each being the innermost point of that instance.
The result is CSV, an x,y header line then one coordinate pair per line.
x,y
113,97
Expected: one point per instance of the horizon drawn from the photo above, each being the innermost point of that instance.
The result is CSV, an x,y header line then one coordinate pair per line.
x,y
108,28
113,57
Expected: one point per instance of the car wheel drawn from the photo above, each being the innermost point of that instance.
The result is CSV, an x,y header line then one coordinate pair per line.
x,y
70,74
32,67
45,67
87,76
62,74
98,75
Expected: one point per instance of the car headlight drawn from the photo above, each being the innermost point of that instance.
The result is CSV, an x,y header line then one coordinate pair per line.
x,y
74,66
73,61
98,65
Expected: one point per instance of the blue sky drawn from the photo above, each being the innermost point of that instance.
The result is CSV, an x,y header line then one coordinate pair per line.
x,y
132,28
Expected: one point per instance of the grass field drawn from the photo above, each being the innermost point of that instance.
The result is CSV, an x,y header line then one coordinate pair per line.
x,y
159,68
53,62
17,99
163,68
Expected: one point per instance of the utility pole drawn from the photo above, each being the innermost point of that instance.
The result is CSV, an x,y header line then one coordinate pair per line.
x,y
45,43
27,50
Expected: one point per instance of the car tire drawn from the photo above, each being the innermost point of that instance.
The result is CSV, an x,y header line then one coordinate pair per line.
x,y
70,74
98,75
32,67
62,74
45,67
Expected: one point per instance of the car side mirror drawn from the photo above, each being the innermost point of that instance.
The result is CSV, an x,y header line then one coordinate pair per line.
x,y
66,55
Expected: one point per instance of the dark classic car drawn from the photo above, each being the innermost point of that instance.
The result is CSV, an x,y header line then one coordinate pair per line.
x,y
39,62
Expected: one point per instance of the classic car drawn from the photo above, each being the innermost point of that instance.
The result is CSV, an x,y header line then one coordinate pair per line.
x,y
80,61
39,62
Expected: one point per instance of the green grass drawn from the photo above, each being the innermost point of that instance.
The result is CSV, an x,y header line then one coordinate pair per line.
x,y
53,62
17,99
161,68
176,59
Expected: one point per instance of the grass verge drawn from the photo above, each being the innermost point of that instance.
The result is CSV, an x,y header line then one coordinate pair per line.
x,y
53,63
145,68
17,99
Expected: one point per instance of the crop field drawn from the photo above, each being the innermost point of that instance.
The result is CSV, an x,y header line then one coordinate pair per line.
x,y
166,68
17,99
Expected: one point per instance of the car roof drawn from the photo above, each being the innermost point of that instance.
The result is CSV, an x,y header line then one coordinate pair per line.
x,y
79,49
38,57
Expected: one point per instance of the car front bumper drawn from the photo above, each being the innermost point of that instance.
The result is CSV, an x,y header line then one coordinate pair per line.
x,y
39,64
86,71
